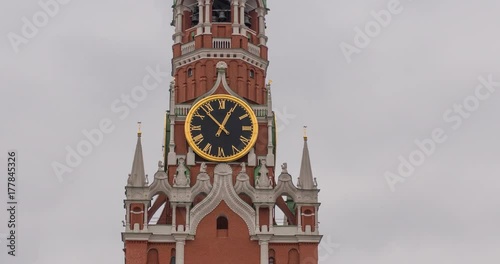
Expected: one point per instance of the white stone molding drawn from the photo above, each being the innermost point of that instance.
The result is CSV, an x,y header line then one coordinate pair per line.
x,y
232,54
223,191
243,185
285,186
136,193
202,185
252,158
263,180
160,185
190,157
182,175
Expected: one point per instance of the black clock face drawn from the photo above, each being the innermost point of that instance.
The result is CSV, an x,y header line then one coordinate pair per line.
x,y
221,128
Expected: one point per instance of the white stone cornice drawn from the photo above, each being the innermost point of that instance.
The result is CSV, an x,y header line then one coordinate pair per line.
x,y
229,54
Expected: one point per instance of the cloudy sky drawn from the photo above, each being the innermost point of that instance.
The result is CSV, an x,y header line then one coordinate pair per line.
x,y
432,69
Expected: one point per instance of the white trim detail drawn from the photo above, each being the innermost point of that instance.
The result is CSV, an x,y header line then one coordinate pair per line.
x,y
229,54
223,191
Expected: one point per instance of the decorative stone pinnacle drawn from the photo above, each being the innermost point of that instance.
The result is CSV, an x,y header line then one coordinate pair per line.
x,y
221,66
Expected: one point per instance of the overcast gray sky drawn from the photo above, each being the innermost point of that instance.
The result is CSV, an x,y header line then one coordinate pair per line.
x,y
362,116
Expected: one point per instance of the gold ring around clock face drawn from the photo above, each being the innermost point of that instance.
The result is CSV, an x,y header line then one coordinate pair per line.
x,y
221,128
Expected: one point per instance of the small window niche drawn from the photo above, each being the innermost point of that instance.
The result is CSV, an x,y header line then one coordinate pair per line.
x,y
222,226
190,72
252,74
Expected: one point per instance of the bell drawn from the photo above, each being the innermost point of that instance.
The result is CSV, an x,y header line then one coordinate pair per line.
x,y
248,22
222,16
195,19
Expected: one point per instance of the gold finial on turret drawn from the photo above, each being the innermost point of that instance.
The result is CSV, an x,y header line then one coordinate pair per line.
x,y
270,82
305,132
139,132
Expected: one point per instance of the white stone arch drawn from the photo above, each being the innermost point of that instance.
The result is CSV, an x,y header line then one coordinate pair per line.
x,y
223,191
159,186
286,187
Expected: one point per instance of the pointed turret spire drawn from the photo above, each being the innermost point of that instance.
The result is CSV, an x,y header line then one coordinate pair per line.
x,y
306,180
137,178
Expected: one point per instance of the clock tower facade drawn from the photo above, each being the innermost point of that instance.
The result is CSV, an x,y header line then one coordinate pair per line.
x,y
217,195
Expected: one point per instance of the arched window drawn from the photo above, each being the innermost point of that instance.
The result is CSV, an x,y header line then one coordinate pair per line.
x,y
172,256
252,74
153,256
190,72
221,11
293,257
272,259
222,223
222,226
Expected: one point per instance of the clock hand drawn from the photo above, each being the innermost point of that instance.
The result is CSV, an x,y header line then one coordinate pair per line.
x,y
219,124
223,125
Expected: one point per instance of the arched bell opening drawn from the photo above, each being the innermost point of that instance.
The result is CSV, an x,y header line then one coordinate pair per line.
x,y
160,212
285,211
221,11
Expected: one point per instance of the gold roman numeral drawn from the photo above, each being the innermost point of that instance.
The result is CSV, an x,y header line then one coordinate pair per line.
x,y
222,103
207,108
195,128
208,148
197,114
198,139
243,116
235,150
220,153
246,128
244,140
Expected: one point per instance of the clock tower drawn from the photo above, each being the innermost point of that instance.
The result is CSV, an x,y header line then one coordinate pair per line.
x,y
218,195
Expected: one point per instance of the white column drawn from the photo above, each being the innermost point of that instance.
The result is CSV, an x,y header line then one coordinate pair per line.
x,y
208,17
199,30
145,228
270,154
235,13
187,217
264,251
242,17
299,220
172,156
257,219
127,220
316,209
178,25
179,251
262,26
271,225
174,216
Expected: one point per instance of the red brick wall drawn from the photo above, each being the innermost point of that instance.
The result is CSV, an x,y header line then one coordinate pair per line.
x,y
210,249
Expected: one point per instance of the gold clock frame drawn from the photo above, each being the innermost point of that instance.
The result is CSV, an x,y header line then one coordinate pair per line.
x,y
199,151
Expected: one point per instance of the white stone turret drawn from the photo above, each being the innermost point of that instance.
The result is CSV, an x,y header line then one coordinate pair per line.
x,y
136,192
306,179
137,177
